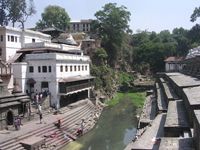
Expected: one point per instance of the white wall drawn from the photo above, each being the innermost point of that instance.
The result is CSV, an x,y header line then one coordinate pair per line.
x,y
20,38
19,72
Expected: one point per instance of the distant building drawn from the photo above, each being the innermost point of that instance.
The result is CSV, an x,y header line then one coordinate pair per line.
x,y
173,64
80,26
192,62
60,69
13,39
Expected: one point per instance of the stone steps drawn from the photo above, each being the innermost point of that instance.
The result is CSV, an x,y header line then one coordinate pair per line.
x,y
68,122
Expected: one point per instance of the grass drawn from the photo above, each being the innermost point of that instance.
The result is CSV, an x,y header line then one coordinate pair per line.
x,y
137,98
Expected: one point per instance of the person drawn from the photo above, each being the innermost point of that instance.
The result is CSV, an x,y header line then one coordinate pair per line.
x,y
15,124
79,132
39,108
40,117
82,126
58,124
37,98
19,123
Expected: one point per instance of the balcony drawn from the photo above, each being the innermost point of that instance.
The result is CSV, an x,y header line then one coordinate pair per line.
x,y
64,89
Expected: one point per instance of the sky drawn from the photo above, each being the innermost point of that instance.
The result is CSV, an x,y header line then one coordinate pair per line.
x,y
150,15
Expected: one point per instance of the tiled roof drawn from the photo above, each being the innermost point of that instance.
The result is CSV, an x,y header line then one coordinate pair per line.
x,y
174,59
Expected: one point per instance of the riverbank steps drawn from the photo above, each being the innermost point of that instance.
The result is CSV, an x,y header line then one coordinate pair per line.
x,y
55,138
177,122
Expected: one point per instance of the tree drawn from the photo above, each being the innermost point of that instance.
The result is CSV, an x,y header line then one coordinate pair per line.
x,y
19,11
111,25
195,14
99,57
54,16
3,16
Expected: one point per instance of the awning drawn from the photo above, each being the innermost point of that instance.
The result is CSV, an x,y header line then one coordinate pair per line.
x,y
76,78
30,81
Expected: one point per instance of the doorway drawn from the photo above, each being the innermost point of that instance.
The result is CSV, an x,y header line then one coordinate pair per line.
x,y
9,118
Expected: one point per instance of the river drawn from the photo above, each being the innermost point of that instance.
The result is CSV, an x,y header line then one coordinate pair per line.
x,y
115,128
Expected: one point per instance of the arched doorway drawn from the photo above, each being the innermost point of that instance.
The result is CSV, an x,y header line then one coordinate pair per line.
x,y
9,118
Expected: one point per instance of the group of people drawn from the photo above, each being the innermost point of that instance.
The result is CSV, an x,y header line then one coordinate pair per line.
x,y
17,123
39,96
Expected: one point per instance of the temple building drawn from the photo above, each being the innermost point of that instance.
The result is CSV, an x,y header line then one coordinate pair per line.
x,y
60,69
173,64
191,64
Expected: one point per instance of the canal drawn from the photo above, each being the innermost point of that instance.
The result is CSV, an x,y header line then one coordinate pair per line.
x,y
115,129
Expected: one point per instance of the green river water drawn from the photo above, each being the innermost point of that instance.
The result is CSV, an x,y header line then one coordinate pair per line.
x,y
115,128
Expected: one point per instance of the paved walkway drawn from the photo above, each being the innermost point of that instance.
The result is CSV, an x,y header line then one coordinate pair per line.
x,y
146,141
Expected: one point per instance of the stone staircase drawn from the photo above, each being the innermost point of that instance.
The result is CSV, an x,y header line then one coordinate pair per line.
x,y
69,126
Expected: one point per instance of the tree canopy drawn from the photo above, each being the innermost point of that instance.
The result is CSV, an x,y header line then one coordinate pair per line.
x,y
16,11
111,25
54,16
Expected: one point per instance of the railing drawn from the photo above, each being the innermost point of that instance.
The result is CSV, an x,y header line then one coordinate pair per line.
x,y
77,87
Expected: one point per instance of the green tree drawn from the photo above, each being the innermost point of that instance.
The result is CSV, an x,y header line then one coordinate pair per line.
x,y
111,25
54,16
99,57
20,10
3,12
195,14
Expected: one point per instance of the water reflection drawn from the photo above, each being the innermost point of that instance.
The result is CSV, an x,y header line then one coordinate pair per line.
x,y
115,129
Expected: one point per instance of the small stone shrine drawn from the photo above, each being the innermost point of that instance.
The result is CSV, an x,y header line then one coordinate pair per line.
x,y
12,105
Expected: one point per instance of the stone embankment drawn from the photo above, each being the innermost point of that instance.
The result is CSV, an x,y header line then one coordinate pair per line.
x,y
177,121
47,136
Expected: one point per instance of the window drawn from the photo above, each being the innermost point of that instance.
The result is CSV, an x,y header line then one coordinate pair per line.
x,y
1,38
66,68
44,85
44,68
74,68
79,68
49,68
82,68
85,67
31,69
8,37
12,38
61,68
71,68
15,39
33,40
39,69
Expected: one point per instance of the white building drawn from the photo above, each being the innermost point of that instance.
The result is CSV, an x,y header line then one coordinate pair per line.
x,y
62,70
13,39
173,64
80,26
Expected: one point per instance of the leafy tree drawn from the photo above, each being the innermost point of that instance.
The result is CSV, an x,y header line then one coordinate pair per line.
x,y
195,14
3,12
183,43
20,10
111,25
99,57
54,16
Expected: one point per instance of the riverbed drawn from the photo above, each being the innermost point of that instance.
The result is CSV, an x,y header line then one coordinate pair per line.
x,y
115,128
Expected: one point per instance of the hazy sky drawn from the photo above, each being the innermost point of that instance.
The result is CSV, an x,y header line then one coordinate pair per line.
x,y
151,15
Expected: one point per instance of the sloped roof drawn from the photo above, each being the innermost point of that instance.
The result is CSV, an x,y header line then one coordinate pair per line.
x,y
174,59
65,38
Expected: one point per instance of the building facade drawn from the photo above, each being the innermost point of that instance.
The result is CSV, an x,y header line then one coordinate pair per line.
x,y
60,69
80,26
13,39
173,64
